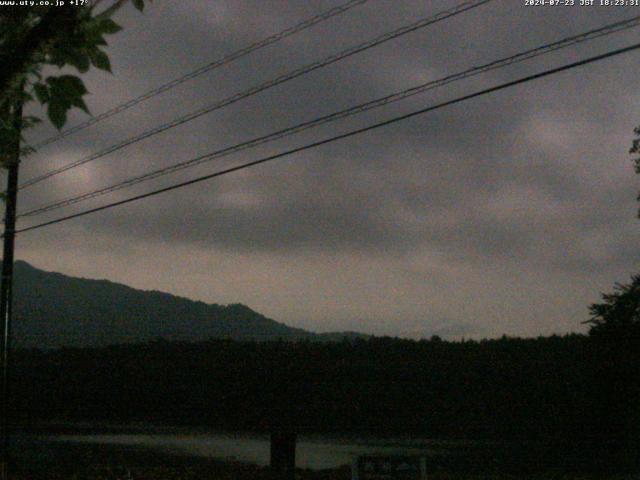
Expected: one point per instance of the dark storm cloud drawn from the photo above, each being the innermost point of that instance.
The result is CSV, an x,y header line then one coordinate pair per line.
x,y
537,175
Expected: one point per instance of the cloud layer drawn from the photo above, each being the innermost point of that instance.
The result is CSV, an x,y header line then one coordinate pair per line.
x,y
509,213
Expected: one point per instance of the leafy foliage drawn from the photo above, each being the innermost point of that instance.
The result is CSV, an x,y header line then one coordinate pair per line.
x,y
39,36
619,314
635,149
615,333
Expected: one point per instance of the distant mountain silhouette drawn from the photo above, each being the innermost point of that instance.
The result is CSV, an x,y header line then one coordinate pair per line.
x,y
53,310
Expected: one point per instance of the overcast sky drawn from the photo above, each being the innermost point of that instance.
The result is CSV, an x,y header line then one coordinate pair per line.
x,y
505,214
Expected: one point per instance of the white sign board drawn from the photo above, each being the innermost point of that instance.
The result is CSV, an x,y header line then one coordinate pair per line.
x,y
389,467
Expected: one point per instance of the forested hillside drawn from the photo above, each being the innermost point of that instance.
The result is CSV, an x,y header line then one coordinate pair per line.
x,y
54,310
545,391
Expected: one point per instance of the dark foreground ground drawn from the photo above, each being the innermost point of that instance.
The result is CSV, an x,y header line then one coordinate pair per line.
x,y
38,460
224,471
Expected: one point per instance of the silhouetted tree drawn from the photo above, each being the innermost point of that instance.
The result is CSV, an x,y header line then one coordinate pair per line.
x,y
635,150
615,333
619,314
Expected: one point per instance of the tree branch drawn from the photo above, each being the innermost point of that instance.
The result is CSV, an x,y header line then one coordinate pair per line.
x,y
16,61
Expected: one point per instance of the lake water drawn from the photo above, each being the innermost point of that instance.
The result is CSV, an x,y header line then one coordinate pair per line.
x,y
311,452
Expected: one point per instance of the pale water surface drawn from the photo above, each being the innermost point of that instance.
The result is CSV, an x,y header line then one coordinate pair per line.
x,y
314,452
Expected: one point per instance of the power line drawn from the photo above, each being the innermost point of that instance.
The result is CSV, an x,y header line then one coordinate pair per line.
x,y
526,55
352,133
309,22
264,86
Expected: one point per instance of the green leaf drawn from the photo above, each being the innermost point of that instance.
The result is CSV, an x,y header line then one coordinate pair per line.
x,y
108,26
57,112
100,60
42,92
94,36
80,61
139,4
66,86
79,102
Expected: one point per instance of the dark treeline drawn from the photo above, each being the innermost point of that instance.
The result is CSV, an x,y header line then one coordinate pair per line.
x,y
570,389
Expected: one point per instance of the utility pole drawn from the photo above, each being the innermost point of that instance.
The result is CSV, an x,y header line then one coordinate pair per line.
x,y
6,291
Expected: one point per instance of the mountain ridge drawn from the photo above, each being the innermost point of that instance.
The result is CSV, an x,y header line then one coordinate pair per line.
x,y
53,310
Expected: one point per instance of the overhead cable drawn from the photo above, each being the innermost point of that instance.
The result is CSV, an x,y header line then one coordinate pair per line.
x,y
379,102
264,86
309,22
335,138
